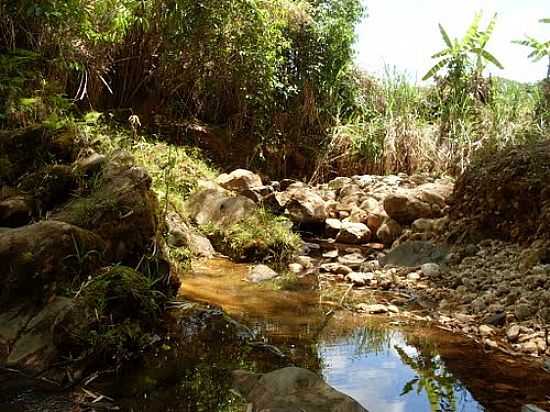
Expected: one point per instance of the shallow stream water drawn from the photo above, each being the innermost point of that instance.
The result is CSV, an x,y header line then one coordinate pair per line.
x,y
385,363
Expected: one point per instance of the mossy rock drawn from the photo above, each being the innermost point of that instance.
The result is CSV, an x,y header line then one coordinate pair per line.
x,y
28,149
44,257
122,209
113,316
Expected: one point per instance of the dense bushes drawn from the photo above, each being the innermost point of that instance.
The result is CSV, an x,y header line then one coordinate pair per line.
x,y
268,70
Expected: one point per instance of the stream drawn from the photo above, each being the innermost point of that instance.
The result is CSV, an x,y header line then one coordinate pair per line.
x,y
385,363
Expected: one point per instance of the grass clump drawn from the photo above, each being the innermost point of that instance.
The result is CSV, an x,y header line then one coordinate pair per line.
x,y
113,316
259,237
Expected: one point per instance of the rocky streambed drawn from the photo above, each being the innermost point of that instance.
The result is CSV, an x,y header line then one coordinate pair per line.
x,y
392,234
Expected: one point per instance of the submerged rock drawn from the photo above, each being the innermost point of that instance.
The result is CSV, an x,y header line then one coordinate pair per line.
x,y
261,273
291,390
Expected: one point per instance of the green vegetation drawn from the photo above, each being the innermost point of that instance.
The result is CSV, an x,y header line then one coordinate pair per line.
x,y
112,314
259,237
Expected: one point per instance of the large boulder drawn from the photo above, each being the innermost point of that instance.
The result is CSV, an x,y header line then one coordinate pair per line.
x,y
45,255
240,179
353,233
291,390
218,207
122,210
305,206
426,201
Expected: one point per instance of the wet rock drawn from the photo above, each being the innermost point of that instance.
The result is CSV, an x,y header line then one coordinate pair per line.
x,y
389,232
336,268
360,278
496,319
352,260
239,179
261,273
34,347
291,390
353,233
374,308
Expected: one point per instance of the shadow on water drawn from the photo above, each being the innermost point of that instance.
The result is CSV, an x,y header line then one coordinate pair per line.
x,y
385,365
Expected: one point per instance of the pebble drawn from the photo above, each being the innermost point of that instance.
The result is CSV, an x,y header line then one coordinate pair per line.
x,y
295,268
375,308
512,334
305,261
360,278
413,276
486,330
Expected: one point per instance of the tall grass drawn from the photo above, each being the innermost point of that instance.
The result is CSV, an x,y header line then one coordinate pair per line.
x,y
401,126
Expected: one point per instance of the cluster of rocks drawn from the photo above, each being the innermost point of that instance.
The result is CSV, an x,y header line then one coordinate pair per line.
x,y
349,210
491,290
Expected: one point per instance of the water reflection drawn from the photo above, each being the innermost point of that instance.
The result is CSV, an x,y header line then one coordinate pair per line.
x,y
381,370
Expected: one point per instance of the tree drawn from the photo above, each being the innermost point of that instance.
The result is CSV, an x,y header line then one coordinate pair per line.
x,y
539,49
467,53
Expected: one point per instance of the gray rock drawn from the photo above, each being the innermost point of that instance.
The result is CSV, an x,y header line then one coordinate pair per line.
x,y
360,278
512,333
240,179
352,260
354,233
415,253
336,268
261,273
306,206
291,390
92,163
218,207
430,270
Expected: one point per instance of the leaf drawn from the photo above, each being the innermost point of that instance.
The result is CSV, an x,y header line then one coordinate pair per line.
x,y
440,54
446,37
409,386
545,20
489,57
437,67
